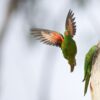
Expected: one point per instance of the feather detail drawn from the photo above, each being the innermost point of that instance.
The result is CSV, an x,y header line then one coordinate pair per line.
x,y
70,23
47,36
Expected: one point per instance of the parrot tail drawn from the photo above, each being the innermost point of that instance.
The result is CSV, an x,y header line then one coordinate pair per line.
x,y
86,84
72,69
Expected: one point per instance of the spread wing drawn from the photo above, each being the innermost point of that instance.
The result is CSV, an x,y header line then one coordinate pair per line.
x,y
70,23
47,36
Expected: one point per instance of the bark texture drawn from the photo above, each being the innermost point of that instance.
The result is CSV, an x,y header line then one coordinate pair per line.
x,y
95,76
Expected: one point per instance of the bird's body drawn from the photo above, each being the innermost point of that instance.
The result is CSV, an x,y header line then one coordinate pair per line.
x,y
66,42
69,50
88,66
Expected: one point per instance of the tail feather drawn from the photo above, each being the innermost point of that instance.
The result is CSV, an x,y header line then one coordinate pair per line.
x,y
71,69
86,84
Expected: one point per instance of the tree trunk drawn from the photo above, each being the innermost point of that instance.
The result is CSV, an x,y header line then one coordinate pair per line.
x,y
95,76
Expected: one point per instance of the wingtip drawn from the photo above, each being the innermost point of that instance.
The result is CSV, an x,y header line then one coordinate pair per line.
x,y
70,12
30,29
83,80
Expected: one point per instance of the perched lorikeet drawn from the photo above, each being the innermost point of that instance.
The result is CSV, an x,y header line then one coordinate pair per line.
x,y
66,42
88,66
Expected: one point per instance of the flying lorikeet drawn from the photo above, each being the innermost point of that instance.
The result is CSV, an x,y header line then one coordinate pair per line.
x,y
88,65
66,42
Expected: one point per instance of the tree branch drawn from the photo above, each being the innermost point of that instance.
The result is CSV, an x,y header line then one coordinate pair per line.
x,y
95,76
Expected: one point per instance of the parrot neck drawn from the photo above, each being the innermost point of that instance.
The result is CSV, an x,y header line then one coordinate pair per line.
x,y
67,36
66,33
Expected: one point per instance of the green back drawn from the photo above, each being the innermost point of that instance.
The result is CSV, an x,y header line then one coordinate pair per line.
x,y
88,59
68,47
88,66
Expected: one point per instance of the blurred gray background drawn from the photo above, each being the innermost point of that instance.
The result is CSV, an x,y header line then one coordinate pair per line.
x,y
30,70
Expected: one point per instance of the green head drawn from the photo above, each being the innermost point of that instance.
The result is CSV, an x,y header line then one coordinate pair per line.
x,y
72,63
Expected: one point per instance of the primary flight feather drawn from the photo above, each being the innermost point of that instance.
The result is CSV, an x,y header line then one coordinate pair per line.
x,y
66,42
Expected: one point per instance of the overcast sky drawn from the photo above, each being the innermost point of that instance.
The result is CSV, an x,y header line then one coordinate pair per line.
x,y
35,71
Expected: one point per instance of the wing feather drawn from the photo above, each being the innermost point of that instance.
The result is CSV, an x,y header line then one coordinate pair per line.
x,y
70,24
47,36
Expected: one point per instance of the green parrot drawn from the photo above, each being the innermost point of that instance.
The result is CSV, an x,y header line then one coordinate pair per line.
x,y
66,42
88,66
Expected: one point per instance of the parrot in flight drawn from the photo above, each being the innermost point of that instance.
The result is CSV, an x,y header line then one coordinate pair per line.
x,y
66,42
88,66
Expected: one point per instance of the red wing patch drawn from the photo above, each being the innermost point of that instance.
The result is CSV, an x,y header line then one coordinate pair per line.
x,y
48,36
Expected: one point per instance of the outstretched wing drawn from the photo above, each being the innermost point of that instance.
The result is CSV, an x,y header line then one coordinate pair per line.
x,y
70,23
47,36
